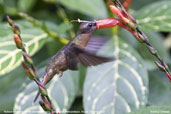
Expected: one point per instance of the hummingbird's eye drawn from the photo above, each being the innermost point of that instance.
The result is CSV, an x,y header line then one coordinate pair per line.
x,y
87,27
90,25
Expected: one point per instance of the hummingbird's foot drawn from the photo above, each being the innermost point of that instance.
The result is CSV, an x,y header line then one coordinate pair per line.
x,y
60,73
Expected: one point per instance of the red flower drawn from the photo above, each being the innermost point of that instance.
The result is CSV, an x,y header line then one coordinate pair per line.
x,y
18,41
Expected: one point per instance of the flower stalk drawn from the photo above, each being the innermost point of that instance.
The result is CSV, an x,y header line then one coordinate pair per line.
x,y
128,22
28,66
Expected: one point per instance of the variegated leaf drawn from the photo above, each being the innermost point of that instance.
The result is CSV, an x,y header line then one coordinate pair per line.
x,y
10,56
62,92
117,87
155,16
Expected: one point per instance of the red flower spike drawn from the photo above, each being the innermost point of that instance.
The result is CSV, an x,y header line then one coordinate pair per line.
x,y
161,67
46,102
10,21
106,23
18,41
42,105
27,71
32,72
17,29
24,66
127,3
27,58
116,11
123,25
169,76
46,106
123,16
130,16
111,22
43,91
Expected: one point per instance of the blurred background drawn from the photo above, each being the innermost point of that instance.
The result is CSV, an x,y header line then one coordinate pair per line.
x,y
46,28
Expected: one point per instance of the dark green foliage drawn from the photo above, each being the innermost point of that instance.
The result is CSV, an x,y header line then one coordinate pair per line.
x,y
132,82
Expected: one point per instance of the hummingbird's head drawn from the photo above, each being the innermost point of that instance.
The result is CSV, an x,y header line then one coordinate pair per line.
x,y
87,27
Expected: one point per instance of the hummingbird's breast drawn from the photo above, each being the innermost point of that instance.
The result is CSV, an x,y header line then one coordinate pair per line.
x,y
82,40
57,63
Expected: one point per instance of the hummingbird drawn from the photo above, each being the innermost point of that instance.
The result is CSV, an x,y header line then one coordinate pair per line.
x,y
81,49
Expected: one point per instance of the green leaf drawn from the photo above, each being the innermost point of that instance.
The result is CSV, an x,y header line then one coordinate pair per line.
x,y
119,86
2,11
77,106
127,37
10,7
155,16
159,92
62,28
62,92
95,8
10,56
153,110
10,86
137,4
82,76
25,5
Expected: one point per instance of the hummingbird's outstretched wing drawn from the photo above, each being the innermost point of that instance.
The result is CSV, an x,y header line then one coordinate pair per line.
x,y
85,56
95,43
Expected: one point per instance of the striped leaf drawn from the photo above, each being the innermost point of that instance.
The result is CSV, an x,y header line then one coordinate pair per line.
x,y
61,91
117,87
10,56
155,16
10,86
